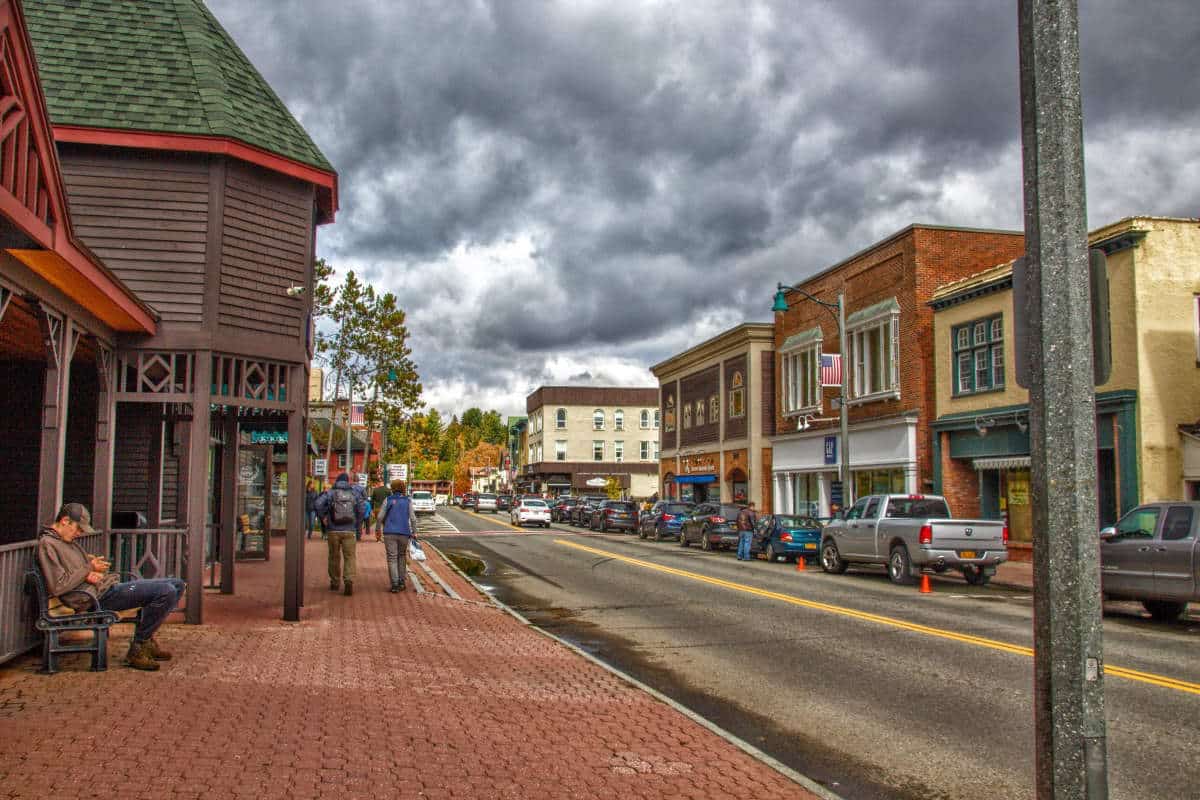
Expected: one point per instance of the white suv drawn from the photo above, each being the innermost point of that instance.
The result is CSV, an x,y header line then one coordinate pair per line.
x,y
531,512
423,503
485,502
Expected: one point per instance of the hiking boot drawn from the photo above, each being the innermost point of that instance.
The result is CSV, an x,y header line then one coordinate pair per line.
x,y
349,589
155,650
395,588
334,584
139,657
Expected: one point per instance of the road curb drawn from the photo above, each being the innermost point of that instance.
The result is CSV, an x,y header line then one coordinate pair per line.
x,y
747,748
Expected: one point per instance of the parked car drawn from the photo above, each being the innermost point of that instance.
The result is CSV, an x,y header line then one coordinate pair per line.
x,y
456,500
614,515
663,520
581,514
468,500
560,509
533,511
504,502
423,503
711,525
1152,555
911,532
485,501
786,536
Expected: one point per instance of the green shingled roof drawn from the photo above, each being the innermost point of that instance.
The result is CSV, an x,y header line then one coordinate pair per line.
x,y
157,65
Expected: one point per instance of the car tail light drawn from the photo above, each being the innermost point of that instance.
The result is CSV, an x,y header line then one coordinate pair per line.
x,y
1004,534
785,537
926,534
608,512
716,520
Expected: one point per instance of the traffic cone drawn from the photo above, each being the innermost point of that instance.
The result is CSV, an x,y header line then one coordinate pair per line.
x,y
926,586
800,564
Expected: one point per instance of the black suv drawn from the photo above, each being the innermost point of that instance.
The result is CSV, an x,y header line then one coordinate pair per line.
x,y
713,525
581,514
560,509
614,515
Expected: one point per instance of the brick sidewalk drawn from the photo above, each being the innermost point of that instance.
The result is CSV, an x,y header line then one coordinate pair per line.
x,y
376,695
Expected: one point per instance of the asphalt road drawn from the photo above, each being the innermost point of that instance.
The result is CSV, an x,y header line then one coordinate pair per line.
x,y
871,689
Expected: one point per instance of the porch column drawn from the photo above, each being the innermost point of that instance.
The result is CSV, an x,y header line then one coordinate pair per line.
x,y
106,419
193,500
60,338
293,556
228,520
789,501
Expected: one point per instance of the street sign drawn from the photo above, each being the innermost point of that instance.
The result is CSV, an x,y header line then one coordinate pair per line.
x,y
320,468
362,479
397,472
830,449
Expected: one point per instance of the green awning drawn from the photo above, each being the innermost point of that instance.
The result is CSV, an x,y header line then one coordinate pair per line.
x,y
810,336
881,309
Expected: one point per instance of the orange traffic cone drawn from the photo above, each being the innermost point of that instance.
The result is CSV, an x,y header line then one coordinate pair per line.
x,y
926,587
800,565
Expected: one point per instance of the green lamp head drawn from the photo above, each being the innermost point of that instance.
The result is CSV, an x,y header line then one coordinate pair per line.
x,y
780,301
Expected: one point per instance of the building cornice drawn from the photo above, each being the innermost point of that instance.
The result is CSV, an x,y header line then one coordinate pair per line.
x,y
731,342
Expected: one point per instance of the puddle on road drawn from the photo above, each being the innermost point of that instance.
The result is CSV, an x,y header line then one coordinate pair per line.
x,y
469,563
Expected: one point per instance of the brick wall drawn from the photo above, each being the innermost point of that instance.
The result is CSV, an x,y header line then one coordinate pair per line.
x,y
768,393
907,266
766,484
699,388
960,483
669,416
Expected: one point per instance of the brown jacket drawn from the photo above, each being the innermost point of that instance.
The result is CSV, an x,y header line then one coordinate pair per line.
x,y
65,566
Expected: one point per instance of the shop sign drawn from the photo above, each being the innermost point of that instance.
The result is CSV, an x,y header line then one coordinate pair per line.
x,y
597,482
268,437
397,472
320,468
830,449
701,464
362,479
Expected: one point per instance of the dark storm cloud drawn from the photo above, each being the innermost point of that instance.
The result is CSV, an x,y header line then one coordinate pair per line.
x,y
666,163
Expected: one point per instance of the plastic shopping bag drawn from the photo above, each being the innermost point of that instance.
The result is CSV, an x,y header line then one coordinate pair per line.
x,y
415,552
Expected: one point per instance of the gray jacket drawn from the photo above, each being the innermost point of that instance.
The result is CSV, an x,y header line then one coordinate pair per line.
x,y
65,566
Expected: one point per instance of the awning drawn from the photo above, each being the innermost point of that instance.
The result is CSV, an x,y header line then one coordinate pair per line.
x,y
556,483
695,478
1006,462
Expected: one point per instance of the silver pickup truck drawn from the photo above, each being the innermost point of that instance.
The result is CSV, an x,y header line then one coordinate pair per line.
x,y
1152,554
912,532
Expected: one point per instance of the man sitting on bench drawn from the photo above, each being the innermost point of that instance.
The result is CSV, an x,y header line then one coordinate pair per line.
x,y
84,582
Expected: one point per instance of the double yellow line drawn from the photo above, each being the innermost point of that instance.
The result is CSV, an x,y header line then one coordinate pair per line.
x,y
892,622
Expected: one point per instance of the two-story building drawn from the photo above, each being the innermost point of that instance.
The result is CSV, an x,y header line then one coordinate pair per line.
x,y
717,413
1143,412
889,358
577,437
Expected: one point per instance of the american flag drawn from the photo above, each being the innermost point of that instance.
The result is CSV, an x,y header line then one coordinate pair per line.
x,y
831,370
356,415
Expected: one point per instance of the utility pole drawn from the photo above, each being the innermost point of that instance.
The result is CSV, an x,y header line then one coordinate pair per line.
x,y
1069,725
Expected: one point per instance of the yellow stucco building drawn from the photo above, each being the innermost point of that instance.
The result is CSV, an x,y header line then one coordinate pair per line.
x,y
1148,412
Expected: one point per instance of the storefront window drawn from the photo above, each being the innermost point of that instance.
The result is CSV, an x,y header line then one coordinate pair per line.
x,y
252,498
878,481
1018,511
807,498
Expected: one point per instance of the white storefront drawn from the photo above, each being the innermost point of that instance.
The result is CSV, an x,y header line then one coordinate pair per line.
x,y
883,458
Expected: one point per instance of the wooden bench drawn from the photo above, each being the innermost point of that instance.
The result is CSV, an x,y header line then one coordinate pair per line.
x,y
54,618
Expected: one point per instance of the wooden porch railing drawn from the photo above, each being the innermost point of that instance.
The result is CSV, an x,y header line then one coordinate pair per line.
x,y
148,553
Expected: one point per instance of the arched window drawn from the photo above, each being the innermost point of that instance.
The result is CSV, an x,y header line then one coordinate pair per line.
x,y
619,419
687,416
598,419
699,413
560,418
645,418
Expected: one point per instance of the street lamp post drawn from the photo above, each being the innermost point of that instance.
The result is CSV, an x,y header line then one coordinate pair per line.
x,y
838,310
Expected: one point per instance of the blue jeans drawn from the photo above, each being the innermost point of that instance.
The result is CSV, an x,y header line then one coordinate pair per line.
x,y
744,545
310,520
156,598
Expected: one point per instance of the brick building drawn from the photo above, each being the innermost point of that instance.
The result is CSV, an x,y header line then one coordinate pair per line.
x,y
889,358
717,412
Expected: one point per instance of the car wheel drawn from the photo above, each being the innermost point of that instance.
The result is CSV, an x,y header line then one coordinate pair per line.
x,y
831,559
771,554
1164,610
641,532
900,566
683,541
975,575
706,543
658,533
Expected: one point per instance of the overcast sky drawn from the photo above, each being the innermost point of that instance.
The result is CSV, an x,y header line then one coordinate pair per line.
x,y
569,192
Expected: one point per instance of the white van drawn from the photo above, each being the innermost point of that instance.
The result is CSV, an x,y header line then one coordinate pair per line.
x,y
423,503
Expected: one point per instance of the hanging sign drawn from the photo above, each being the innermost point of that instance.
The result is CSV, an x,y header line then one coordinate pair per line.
x,y
397,472
320,468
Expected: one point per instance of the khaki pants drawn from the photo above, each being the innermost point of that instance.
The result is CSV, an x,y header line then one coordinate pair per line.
x,y
342,547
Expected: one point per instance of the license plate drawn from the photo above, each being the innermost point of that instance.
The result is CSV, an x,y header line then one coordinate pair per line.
x,y
966,554
810,545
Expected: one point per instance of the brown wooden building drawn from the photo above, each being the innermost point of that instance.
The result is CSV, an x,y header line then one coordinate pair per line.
x,y
194,198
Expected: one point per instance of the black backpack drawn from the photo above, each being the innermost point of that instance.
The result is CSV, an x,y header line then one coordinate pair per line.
x,y
342,508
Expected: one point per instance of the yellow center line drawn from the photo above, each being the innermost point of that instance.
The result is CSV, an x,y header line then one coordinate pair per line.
x,y
941,633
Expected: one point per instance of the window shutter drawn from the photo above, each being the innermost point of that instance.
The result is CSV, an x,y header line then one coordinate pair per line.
x,y
894,367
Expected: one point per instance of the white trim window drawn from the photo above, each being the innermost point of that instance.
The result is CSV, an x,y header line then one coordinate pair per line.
x,y
645,419
597,450
644,450
341,457
618,451
874,357
619,419
560,449
560,419
539,452
656,418
598,419
802,379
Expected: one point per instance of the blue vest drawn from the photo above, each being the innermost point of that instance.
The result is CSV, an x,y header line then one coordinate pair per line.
x,y
396,516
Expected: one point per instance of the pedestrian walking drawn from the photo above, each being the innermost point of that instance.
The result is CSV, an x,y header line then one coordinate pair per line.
x,y
342,510
310,507
746,521
397,528
379,495
85,582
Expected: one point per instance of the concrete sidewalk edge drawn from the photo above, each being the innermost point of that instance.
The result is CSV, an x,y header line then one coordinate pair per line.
x,y
749,749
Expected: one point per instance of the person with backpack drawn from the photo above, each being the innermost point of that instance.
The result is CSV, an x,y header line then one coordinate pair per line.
x,y
397,527
342,509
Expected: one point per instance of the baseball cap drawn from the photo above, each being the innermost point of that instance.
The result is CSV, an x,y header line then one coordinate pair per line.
x,y
78,513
